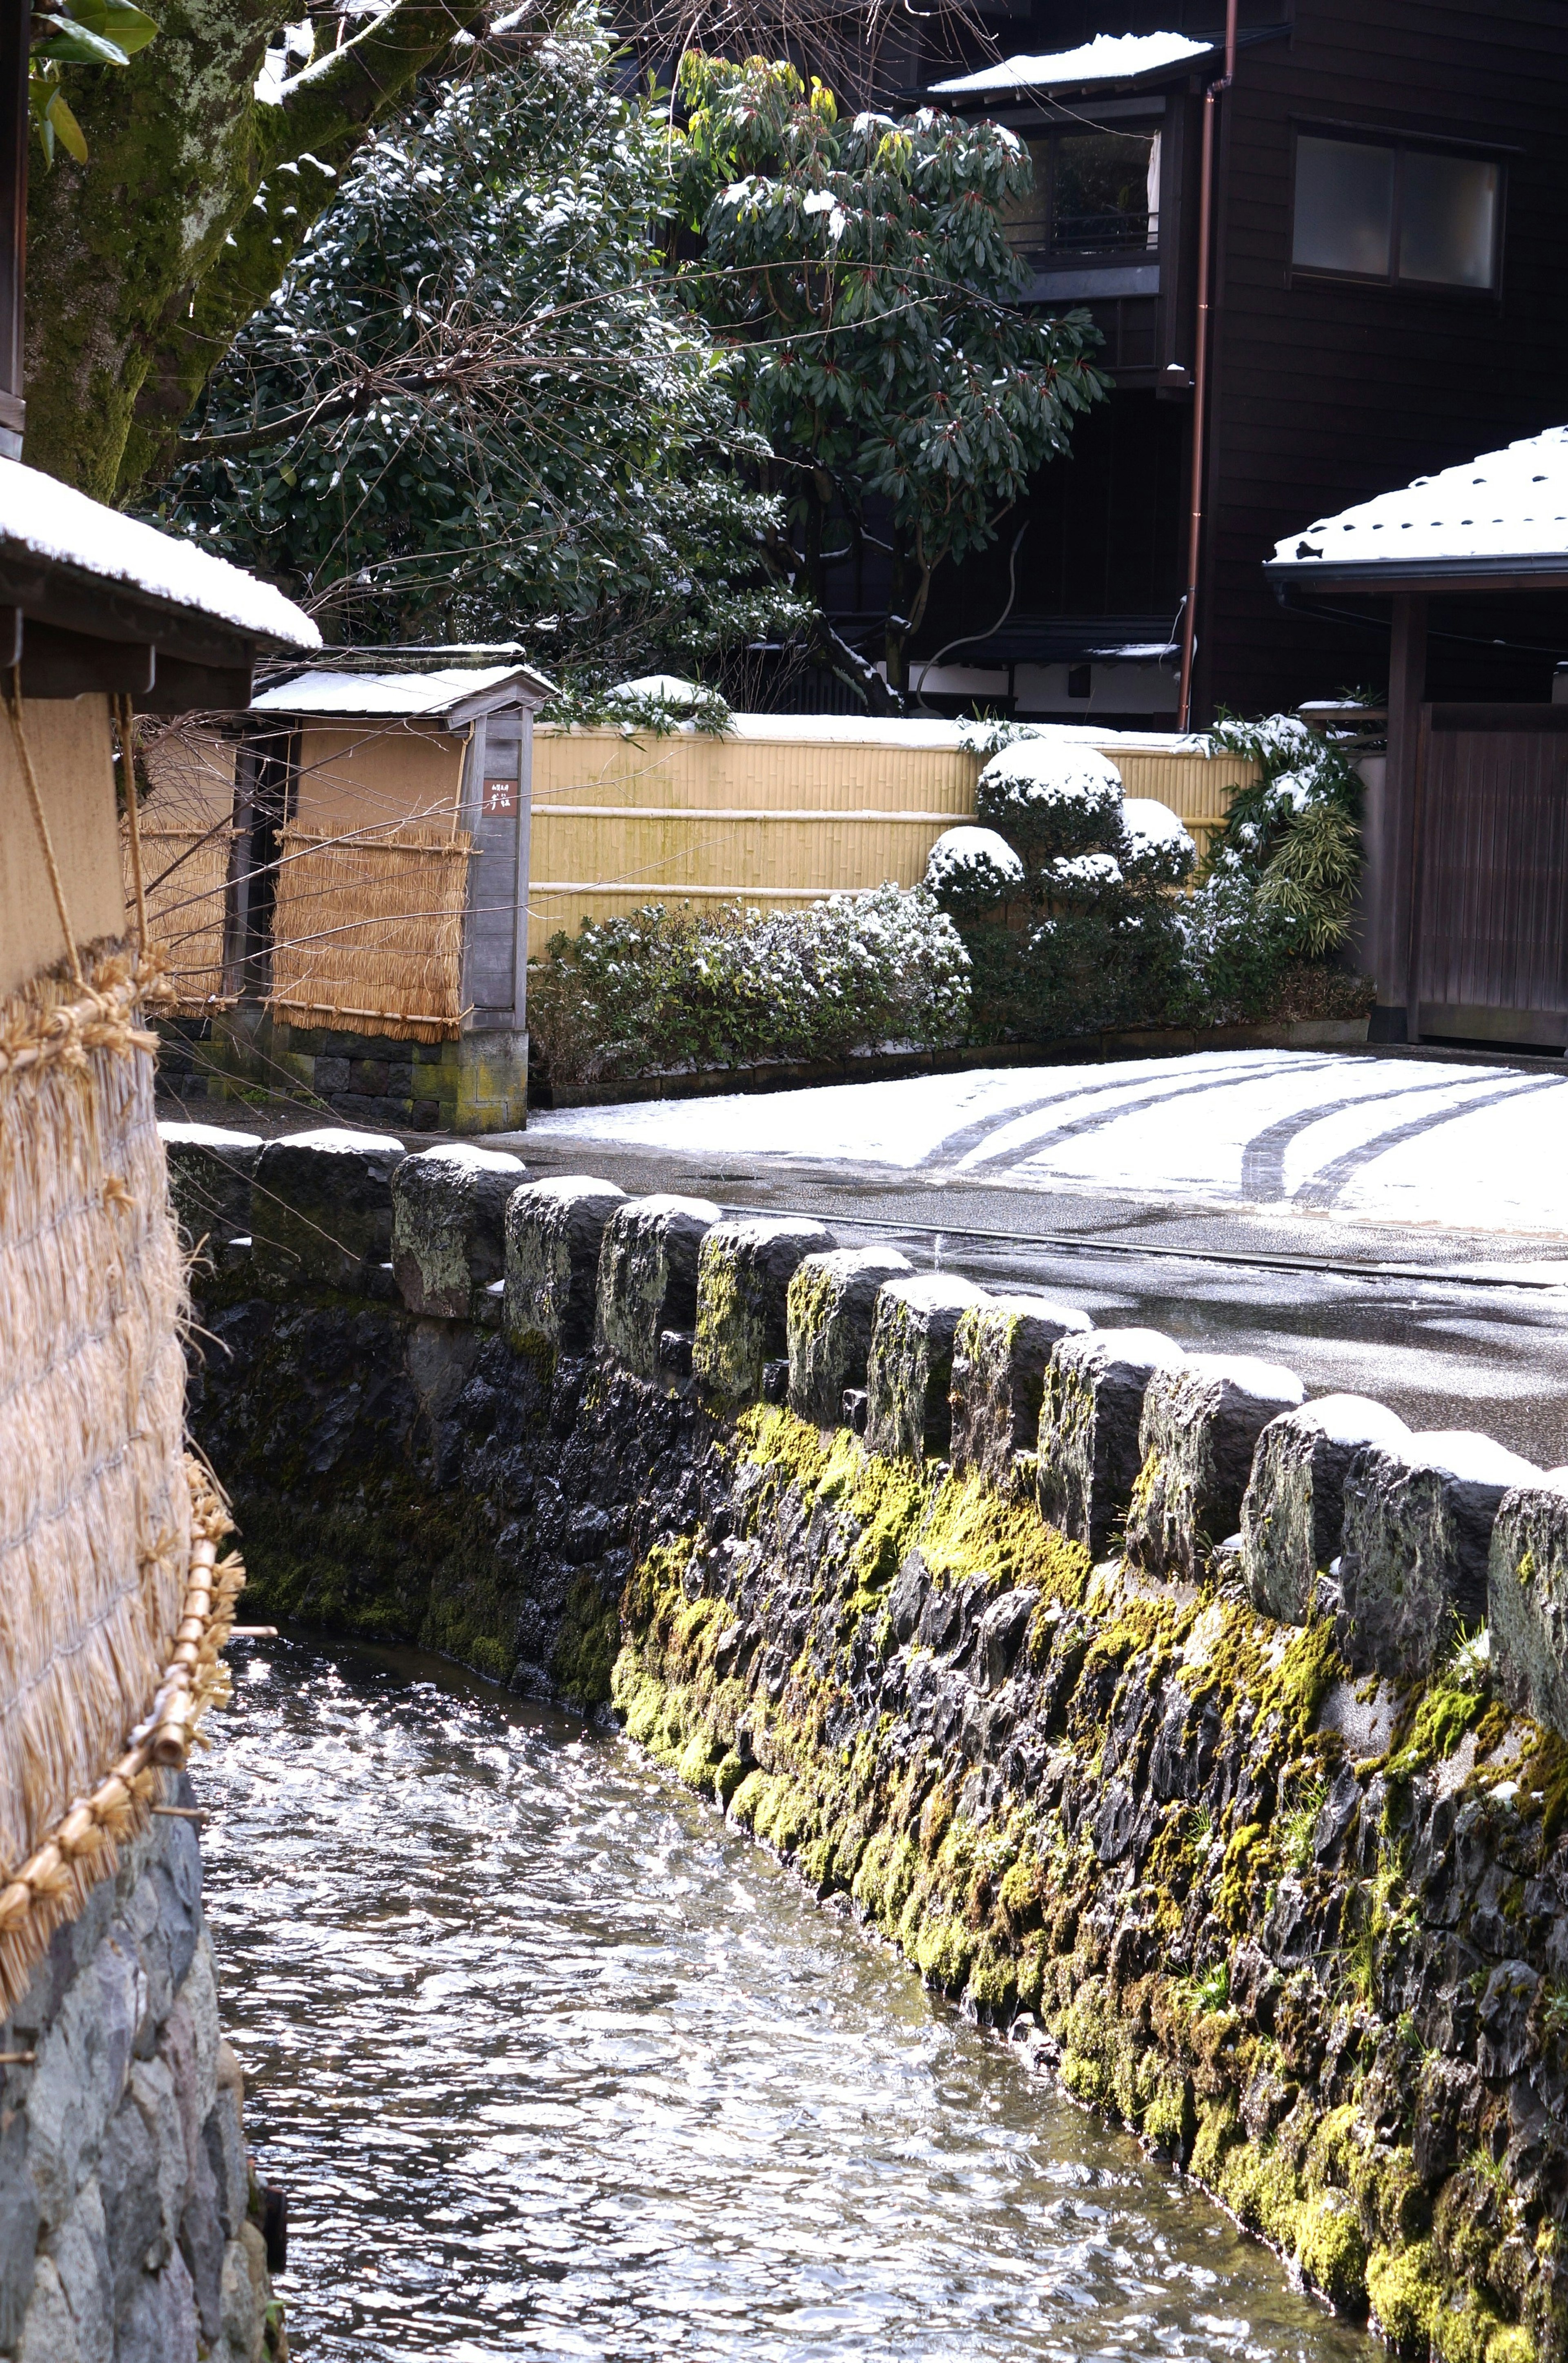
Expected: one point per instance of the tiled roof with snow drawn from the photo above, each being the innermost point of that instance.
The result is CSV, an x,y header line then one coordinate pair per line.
x,y
42,518
392,697
1505,506
1109,57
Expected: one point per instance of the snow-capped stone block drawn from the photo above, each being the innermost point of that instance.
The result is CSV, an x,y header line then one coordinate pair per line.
x,y
555,1230
1527,1600
1050,795
1000,1353
1091,1411
647,1276
908,1370
321,1207
743,1271
1201,1428
1418,1534
1294,1503
831,1304
449,1226
210,1173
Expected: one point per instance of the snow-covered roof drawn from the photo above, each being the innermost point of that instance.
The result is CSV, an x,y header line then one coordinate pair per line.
x,y
1109,57
1503,513
42,518
452,694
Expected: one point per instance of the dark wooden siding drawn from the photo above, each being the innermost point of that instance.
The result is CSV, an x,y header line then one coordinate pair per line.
x,y
1328,393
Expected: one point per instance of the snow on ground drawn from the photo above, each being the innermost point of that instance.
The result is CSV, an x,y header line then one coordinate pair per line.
x,y
1380,1139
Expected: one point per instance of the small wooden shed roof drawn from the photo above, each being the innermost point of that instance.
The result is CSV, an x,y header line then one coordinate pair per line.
x,y
1498,522
445,698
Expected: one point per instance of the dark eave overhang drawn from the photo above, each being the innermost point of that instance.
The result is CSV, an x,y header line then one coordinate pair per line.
x,y
1548,573
1172,76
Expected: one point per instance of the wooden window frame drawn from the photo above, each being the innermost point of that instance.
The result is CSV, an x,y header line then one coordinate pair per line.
x,y
1401,144
1050,135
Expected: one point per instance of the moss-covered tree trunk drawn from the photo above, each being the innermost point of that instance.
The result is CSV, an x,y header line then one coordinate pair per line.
x,y
144,262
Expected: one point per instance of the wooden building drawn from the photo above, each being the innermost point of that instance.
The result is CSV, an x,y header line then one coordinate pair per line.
x,y
1389,190
1466,897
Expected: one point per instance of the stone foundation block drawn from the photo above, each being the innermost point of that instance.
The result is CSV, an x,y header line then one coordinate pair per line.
x,y
1418,1534
743,1271
1527,1602
831,1300
322,1208
1000,1353
1091,1411
448,1217
554,1233
1201,1428
647,1276
908,1370
210,1171
1294,1506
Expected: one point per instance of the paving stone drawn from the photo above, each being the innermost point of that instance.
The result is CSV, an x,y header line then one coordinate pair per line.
x,y
908,1370
647,1276
322,1208
1091,1411
1527,1600
744,1271
1200,1430
832,1302
449,1226
1294,1508
1417,1532
1000,1353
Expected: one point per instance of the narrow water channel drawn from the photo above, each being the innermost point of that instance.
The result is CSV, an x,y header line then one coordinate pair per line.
x,y
551,2063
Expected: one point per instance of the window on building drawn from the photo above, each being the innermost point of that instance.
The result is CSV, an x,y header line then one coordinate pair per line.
x,y
1374,209
1095,192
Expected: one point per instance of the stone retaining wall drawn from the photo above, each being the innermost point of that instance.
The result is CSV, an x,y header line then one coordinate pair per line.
x,y
1148,1708
129,2219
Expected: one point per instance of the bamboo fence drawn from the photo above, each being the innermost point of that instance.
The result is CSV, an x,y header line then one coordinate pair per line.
x,y
368,930
187,875
104,1526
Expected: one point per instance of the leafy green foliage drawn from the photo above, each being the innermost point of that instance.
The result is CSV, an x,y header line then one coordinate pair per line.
x,y
76,33
662,989
860,271
472,403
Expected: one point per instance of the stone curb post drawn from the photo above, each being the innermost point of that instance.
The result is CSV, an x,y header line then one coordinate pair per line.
x,y
1294,1508
1090,1413
1201,1428
832,1302
448,1213
1000,1353
1418,1534
744,1271
647,1276
321,1208
1527,1599
210,1171
908,1370
555,1231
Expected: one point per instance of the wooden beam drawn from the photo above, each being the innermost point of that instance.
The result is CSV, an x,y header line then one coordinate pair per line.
x,y
56,663
180,687
1391,822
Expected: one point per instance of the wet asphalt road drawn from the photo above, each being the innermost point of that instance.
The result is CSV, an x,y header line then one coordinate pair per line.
x,y
1427,1321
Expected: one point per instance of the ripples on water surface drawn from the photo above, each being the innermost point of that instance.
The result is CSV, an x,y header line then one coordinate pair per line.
x,y
551,2063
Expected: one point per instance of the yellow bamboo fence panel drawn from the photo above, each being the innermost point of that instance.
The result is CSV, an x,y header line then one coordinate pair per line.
x,y
187,876
781,813
368,931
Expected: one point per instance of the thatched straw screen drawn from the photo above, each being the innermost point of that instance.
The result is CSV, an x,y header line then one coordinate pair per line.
x,y
187,873
96,1510
368,929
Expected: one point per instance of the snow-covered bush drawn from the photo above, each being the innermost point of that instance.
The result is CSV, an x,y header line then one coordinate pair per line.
x,y
666,989
1050,796
1295,837
970,871
1156,846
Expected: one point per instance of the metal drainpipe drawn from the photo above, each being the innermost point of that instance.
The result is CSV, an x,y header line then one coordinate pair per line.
x,y
1201,365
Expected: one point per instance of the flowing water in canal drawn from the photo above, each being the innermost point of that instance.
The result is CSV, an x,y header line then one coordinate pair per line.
x,y
552,2063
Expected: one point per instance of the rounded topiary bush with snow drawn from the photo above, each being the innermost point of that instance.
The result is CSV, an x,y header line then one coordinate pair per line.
x,y
1050,796
970,871
1156,847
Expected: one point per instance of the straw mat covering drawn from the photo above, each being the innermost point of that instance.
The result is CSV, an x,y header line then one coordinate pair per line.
x,y
95,1501
368,931
187,875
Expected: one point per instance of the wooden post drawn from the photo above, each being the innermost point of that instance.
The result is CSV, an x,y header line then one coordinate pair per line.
x,y
525,831
1391,824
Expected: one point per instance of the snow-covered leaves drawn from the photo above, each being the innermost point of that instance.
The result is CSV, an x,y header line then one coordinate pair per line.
x,y
970,871
1050,795
671,989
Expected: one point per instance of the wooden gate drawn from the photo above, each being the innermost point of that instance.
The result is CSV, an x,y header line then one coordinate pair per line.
x,y
1489,960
